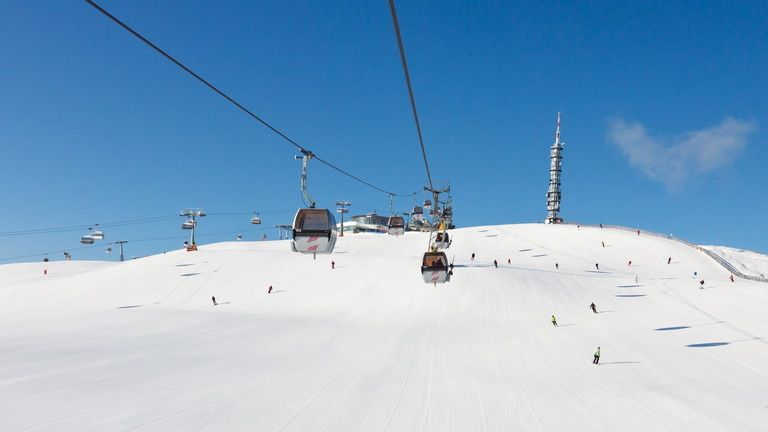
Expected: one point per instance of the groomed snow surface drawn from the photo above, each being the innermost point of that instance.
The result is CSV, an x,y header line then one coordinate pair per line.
x,y
369,347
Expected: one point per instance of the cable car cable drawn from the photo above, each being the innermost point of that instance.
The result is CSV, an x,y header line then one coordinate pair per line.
x,y
227,97
407,74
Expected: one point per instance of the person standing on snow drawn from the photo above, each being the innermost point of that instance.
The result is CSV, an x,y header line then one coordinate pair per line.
x,y
597,266
496,263
732,280
593,307
473,256
694,275
213,299
669,260
557,266
629,264
509,260
554,321
603,243
269,290
333,265
701,284
596,360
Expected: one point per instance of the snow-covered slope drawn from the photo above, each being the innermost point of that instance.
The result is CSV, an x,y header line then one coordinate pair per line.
x,y
369,347
748,262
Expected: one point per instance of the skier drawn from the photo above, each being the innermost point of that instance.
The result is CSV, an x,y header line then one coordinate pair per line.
x,y
701,284
629,264
603,243
333,265
593,307
638,232
496,263
213,299
557,266
694,275
554,321
601,225
597,357
732,280
450,271
597,266
669,260
269,290
473,256
509,260
637,279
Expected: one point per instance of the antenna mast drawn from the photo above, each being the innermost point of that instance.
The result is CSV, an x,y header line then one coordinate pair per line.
x,y
555,168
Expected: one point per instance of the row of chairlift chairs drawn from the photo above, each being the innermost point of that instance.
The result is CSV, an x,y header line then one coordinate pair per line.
x,y
92,236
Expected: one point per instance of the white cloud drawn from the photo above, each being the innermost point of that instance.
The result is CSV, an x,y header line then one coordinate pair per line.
x,y
673,160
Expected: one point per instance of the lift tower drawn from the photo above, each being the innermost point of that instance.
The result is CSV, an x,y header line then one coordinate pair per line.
x,y
555,169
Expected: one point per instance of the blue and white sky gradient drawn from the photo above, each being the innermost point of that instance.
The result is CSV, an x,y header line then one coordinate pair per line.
x,y
664,114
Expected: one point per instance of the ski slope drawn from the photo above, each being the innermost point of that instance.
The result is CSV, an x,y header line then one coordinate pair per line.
x,y
369,347
748,262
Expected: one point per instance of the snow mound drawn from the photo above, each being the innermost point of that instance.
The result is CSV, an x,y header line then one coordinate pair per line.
x,y
368,346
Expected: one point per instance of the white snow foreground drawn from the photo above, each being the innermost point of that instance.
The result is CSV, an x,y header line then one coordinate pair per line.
x,y
369,347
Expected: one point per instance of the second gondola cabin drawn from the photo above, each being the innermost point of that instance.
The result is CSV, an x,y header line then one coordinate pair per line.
x,y
396,225
314,231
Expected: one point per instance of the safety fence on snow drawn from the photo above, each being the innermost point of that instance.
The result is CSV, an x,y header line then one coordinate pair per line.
x,y
720,260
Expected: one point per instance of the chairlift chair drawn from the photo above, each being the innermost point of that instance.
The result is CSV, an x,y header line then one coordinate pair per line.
x,y
97,234
256,220
434,268
188,224
87,239
427,203
314,231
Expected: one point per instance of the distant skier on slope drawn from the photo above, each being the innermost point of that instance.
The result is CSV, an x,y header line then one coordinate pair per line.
x,y
596,360
603,243
597,266
333,265
509,260
496,263
629,264
269,290
213,299
554,321
732,280
694,275
701,284
473,256
593,307
557,266
669,260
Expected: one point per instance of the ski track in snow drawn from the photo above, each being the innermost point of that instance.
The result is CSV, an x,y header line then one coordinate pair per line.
x,y
368,346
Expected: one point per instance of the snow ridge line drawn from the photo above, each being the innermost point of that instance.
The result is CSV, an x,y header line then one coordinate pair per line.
x,y
720,260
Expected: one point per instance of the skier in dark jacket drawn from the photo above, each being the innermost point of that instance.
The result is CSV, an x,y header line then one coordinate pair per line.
x,y
473,256
496,263
213,299
593,307
596,360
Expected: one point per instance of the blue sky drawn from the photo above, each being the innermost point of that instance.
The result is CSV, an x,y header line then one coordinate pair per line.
x,y
664,114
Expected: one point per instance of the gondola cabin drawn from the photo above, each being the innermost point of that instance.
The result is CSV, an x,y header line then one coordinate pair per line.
x,y
417,214
314,231
396,225
442,241
188,224
256,220
87,239
434,268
